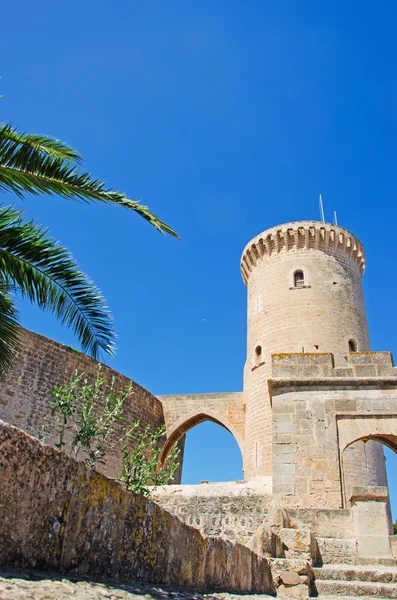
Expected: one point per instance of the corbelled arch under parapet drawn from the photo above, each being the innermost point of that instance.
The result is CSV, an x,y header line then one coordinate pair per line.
x,y
183,412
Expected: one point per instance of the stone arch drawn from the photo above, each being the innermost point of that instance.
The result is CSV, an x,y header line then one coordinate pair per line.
x,y
186,423
382,428
365,428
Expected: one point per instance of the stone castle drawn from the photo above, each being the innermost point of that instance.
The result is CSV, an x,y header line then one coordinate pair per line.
x,y
316,409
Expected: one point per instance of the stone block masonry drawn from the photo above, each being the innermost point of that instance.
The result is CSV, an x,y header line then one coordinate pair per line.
x,y
56,514
233,511
43,364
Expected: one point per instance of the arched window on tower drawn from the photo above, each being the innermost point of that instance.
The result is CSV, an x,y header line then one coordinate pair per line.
x,y
258,357
352,346
299,279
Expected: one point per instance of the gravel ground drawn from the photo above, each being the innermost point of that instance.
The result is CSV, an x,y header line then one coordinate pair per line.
x,y
27,585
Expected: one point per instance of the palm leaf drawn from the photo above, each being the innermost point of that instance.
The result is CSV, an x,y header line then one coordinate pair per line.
x,y
46,273
28,143
27,168
9,329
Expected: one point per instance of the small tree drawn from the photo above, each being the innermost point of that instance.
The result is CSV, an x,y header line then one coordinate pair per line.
x,y
141,467
91,412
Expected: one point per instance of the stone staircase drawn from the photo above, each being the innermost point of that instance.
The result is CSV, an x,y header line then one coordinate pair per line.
x,y
346,582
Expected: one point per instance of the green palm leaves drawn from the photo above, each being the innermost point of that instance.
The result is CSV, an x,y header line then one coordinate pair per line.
x,y
38,164
45,273
31,263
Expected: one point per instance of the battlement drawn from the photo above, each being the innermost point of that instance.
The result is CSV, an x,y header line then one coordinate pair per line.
x,y
301,235
320,365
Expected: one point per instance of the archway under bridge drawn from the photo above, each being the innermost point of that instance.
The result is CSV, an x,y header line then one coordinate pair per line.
x,y
184,412
180,429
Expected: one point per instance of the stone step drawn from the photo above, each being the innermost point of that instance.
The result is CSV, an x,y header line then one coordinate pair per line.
x,y
355,589
336,550
348,598
356,573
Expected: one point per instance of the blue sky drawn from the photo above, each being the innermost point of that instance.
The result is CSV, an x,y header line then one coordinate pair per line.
x,y
226,118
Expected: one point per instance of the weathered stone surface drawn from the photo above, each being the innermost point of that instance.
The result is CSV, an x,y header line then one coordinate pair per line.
x,y
372,522
356,573
338,551
17,585
293,578
323,523
356,589
231,511
290,578
72,519
298,543
393,545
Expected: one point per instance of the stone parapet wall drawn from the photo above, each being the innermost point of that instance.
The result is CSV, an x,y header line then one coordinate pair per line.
x,y
43,364
244,513
56,514
323,523
312,365
230,510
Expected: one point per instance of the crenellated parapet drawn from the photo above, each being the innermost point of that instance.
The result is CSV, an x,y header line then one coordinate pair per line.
x,y
325,237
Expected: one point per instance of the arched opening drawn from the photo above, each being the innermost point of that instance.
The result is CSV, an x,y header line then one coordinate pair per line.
x,y
211,452
258,356
371,461
299,279
352,346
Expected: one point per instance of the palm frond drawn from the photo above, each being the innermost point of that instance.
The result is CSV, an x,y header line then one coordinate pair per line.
x,y
27,143
24,169
9,329
47,274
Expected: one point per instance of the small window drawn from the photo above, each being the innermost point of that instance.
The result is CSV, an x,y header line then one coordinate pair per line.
x,y
299,280
258,356
352,346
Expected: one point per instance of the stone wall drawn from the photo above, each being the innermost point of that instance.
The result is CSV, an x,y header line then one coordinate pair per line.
x,y
44,364
231,510
318,410
250,515
56,514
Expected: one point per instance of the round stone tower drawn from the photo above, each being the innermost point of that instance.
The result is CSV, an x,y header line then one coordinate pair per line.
x,y
304,295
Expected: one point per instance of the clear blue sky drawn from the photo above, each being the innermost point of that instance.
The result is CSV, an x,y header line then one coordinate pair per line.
x,y
226,118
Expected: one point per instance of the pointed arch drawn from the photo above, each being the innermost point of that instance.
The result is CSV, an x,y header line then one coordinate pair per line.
x,y
181,427
387,439
379,427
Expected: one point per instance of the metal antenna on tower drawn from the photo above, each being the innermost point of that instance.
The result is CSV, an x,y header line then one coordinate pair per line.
x,y
335,219
322,209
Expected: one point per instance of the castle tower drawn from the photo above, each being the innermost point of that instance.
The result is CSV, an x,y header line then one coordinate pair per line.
x,y
304,295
